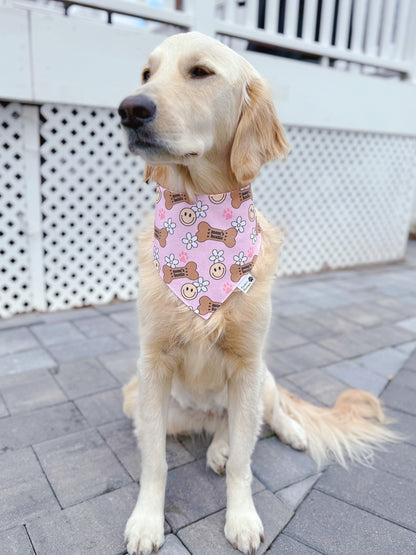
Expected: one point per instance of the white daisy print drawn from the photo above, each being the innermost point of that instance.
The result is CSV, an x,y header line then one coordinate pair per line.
x,y
171,261
239,224
253,235
217,256
170,226
155,253
201,284
196,310
200,209
190,241
240,259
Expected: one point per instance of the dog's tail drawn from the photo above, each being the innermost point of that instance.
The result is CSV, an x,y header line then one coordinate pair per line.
x,y
347,432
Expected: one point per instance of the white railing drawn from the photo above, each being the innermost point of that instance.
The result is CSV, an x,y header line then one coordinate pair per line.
x,y
371,33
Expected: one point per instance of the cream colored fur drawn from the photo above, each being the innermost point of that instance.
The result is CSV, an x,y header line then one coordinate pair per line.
x,y
196,374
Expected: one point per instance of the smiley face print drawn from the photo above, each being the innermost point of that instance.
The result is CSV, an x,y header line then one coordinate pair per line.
x,y
189,291
251,212
218,198
217,270
187,216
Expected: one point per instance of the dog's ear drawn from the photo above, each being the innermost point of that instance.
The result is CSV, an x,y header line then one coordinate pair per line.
x,y
259,137
154,173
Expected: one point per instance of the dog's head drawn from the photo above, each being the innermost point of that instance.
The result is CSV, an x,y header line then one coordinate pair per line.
x,y
199,100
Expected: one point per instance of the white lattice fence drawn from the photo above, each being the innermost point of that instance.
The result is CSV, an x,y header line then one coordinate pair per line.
x,y
343,198
15,290
93,200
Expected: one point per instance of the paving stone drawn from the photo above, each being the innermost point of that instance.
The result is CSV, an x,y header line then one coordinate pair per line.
x,y
30,390
361,486
330,302
3,408
384,362
96,526
24,490
350,373
123,364
210,531
98,325
293,495
15,340
319,384
40,425
398,305
196,444
173,546
403,423
56,333
20,320
127,319
24,361
398,397
406,378
350,344
73,314
306,327
332,526
282,338
277,465
306,356
409,324
410,363
290,386
101,408
83,378
287,546
117,306
407,348
368,314
80,466
193,492
292,309
333,323
86,348
396,459
388,335
15,541
129,339
120,437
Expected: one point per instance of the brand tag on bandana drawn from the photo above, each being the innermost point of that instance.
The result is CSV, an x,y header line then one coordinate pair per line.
x,y
204,249
246,282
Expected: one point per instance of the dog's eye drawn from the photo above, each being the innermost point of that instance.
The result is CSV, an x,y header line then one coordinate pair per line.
x,y
199,72
146,75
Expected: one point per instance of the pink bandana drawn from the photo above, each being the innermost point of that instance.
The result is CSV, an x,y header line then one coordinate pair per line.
x,y
204,249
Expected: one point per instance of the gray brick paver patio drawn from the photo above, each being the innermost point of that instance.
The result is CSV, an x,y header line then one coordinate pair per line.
x,y
68,458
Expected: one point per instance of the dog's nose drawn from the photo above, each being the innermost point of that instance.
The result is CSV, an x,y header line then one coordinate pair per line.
x,y
135,111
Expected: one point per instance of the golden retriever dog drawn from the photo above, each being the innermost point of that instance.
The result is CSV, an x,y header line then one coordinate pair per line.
x,y
204,122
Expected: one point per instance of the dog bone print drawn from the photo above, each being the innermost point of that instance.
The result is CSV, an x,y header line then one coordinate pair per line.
x,y
161,235
238,197
175,198
238,270
188,271
226,236
206,305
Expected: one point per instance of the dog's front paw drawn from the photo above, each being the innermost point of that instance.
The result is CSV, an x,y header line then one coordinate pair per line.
x,y
217,456
143,534
244,530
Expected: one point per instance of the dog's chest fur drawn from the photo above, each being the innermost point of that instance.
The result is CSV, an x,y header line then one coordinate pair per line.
x,y
205,375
